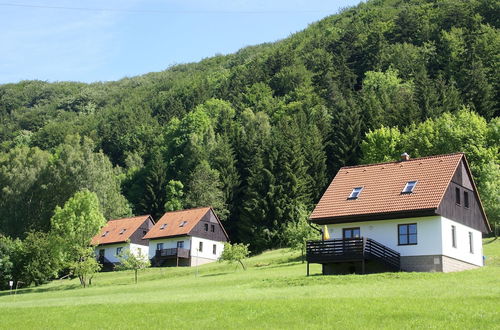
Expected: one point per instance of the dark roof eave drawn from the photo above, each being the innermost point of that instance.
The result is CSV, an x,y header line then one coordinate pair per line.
x,y
374,216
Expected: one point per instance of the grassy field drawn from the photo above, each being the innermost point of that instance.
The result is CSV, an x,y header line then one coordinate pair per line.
x,y
273,293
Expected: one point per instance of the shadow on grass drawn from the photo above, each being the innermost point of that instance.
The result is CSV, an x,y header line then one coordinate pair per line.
x,y
216,274
42,289
494,239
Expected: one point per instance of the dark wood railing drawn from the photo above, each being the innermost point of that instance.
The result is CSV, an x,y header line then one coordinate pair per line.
x,y
350,249
174,252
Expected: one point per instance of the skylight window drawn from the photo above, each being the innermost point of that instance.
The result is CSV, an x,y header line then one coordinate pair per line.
x,y
105,233
408,189
122,231
163,226
355,193
183,223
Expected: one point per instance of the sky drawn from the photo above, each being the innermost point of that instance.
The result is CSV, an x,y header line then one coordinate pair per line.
x,y
63,40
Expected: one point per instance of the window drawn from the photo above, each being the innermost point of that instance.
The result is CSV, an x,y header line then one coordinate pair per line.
x,y
212,228
163,226
159,246
351,232
180,244
457,196
105,233
466,199
453,236
183,223
206,227
408,189
214,249
471,243
200,248
118,250
144,232
122,231
407,234
355,193
101,253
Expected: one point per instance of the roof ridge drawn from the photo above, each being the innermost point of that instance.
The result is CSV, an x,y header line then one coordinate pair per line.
x,y
194,208
134,217
406,161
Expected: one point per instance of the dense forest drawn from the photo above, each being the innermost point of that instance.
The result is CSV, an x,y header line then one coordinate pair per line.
x,y
260,133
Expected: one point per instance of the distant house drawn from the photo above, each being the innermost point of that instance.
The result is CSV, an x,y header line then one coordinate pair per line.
x,y
186,238
118,235
420,214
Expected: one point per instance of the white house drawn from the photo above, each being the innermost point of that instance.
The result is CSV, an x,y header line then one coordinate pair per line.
x,y
422,214
186,238
121,234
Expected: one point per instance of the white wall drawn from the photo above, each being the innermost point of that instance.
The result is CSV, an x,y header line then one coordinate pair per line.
x,y
110,250
429,240
462,251
168,243
207,252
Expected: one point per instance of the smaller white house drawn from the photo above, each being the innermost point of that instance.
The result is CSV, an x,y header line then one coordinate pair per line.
x,y
122,234
186,238
421,214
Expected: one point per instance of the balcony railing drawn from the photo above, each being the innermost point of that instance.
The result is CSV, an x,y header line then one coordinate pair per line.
x,y
350,249
172,253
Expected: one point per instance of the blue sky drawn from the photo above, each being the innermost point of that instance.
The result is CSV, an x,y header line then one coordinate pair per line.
x,y
86,43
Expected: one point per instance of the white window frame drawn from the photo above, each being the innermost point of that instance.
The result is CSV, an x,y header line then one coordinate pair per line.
x,y
355,193
407,189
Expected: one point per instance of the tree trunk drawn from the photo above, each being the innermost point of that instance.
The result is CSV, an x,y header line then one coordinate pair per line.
x,y
136,276
242,265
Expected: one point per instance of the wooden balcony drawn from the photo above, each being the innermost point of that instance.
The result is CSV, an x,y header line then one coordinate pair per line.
x,y
172,253
351,250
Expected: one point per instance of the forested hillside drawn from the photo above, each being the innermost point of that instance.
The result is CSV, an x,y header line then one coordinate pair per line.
x,y
258,134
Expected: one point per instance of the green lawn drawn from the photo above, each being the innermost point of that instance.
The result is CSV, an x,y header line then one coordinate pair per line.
x,y
273,293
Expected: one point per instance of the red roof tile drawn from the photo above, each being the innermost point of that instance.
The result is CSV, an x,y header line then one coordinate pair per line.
x,y
170,223
382,186
119,230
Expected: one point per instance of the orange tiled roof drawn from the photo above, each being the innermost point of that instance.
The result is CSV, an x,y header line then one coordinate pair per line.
x,y
382,185
173,220
114,227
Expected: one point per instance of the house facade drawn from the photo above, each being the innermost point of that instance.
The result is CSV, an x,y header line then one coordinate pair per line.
x,y
425,213
122,234
186,238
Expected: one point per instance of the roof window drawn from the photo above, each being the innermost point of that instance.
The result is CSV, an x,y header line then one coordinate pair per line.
x,y
163,226
122,231
183,223
355,193
408,189
105,233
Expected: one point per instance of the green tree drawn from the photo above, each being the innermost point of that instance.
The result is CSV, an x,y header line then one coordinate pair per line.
x,y
9,265
174,196
235,253
76,224
297,233
135,262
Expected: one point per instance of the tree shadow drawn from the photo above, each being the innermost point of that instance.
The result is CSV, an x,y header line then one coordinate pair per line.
x,y
494,239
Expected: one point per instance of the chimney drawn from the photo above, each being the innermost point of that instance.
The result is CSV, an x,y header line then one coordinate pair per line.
x,y
404,156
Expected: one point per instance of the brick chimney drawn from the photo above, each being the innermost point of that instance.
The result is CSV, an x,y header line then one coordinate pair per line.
x,y
404,157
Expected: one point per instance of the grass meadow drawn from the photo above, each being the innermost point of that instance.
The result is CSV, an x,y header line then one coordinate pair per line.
x,y
273,293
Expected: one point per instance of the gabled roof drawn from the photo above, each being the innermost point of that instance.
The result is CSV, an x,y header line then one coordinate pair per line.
x,y
382,188
119,230
171,222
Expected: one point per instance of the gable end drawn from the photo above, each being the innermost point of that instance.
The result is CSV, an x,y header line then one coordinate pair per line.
x,y
210,219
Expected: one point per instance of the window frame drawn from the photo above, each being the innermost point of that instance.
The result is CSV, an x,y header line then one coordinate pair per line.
x,y
183,223
344,230
119,250
159,246
466,199
163,226
212,228
214,249
180,244
454,236
206,226
407,234
471,243
405,191
457,196
200,246
355,190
